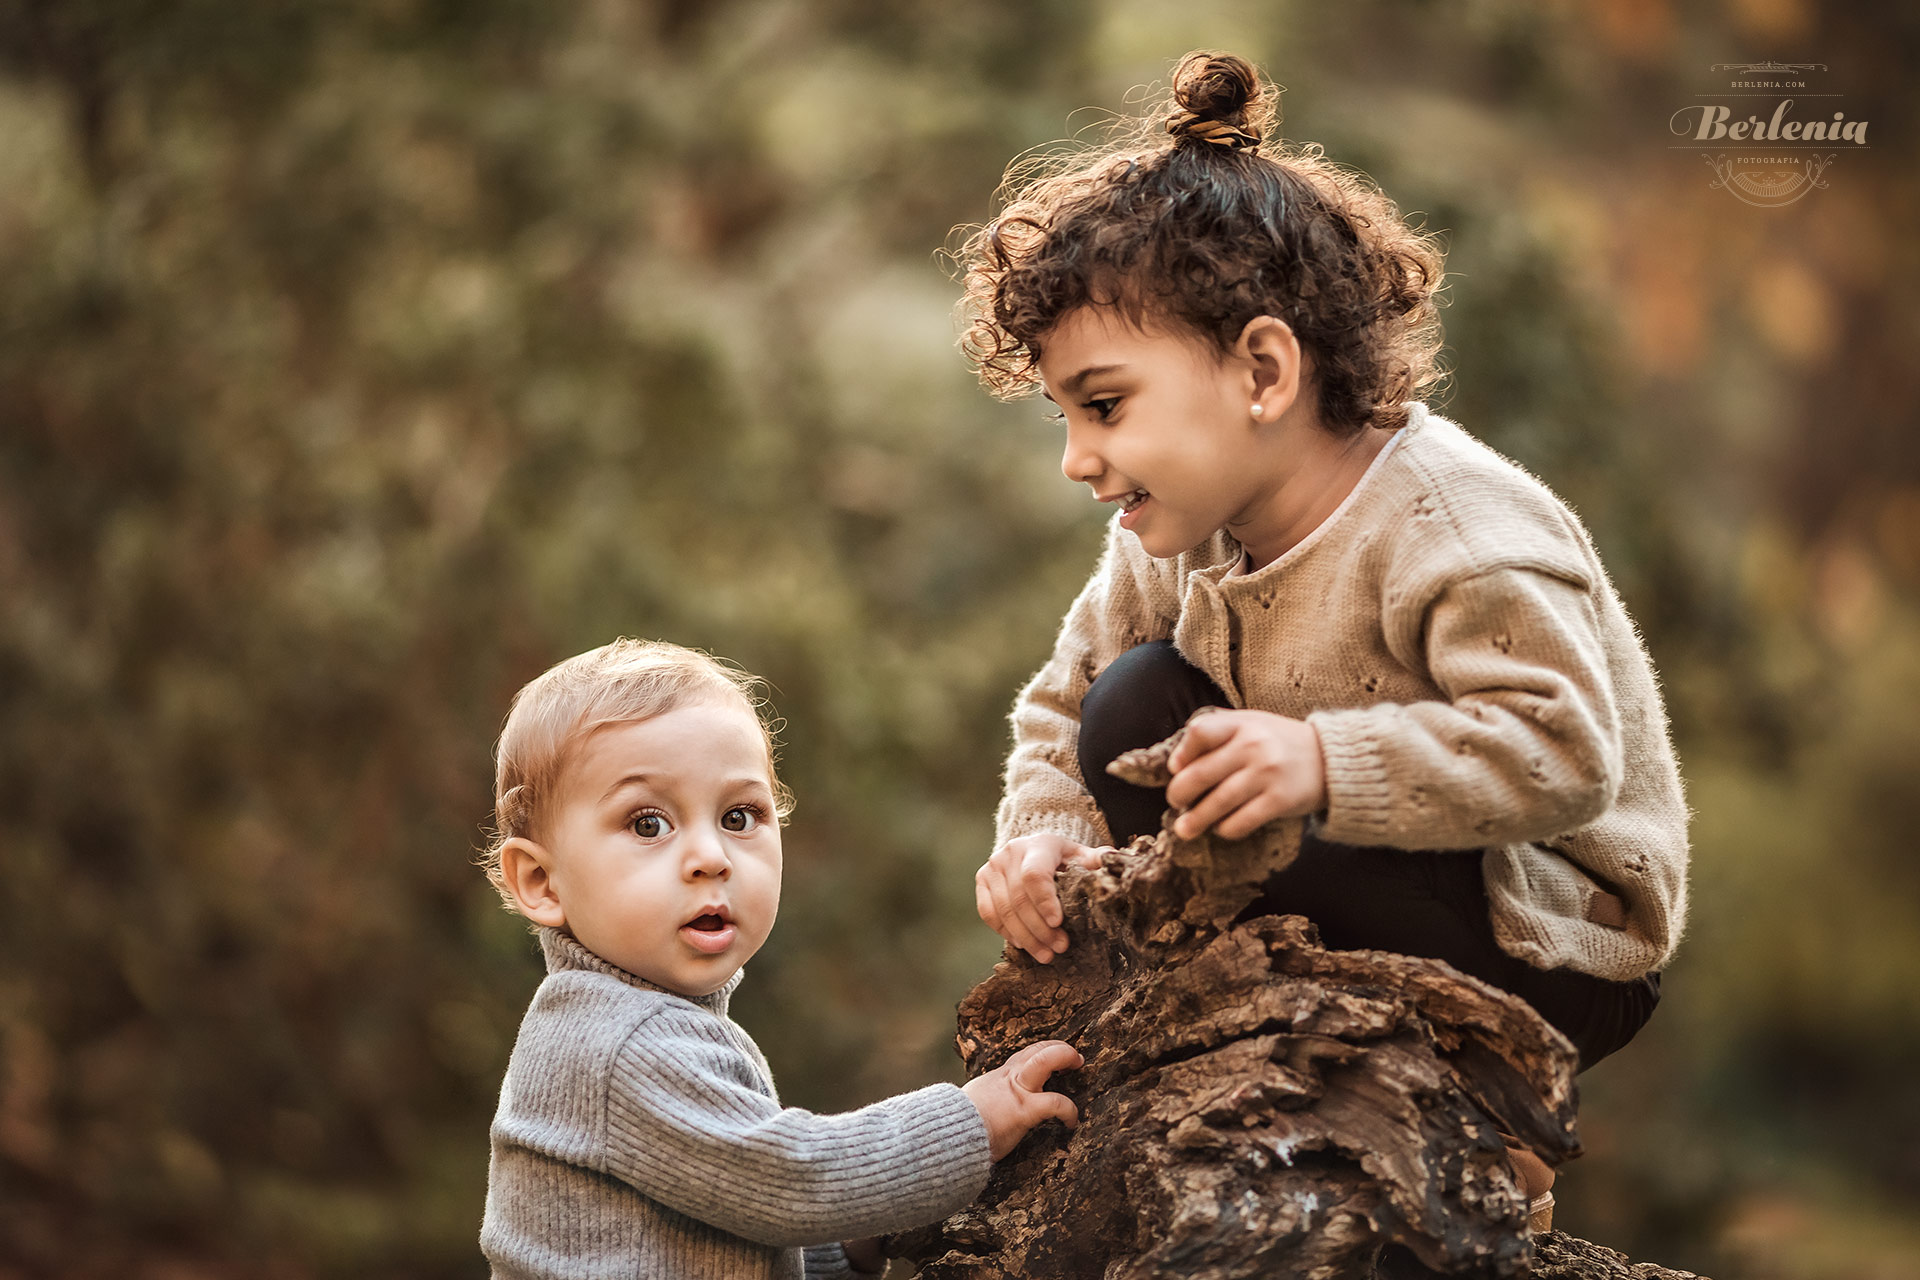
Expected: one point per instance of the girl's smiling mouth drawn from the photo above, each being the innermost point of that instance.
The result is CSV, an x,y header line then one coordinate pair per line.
x,y
1128,502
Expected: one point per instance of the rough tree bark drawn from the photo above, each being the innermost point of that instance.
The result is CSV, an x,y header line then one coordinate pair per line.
x,y
1251,1103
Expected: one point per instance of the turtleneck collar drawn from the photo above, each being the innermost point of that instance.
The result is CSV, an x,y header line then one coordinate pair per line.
x,y
564,951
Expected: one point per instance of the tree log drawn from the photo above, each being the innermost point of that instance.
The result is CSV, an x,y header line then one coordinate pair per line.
x,y
1251,1103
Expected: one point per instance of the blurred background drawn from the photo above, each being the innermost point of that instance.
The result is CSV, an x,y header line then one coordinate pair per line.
x,y
360,358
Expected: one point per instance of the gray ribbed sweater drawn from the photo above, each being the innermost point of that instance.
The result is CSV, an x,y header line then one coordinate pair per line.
x,y
1475,681
639,1135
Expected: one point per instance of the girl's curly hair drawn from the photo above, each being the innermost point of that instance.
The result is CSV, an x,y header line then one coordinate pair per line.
x,y
1193,215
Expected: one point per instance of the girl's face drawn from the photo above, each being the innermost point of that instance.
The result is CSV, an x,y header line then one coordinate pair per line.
x,y
1160,424
665,848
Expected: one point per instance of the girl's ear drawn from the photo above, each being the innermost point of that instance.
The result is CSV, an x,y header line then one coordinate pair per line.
x,y
1272,350
526,866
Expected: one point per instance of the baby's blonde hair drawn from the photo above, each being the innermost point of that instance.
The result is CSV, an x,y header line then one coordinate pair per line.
x,y
617,683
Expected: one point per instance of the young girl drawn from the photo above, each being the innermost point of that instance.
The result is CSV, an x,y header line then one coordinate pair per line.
x,y
1416,641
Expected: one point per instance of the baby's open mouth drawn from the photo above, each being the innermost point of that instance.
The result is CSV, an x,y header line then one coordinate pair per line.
x,y
1128,501
711,932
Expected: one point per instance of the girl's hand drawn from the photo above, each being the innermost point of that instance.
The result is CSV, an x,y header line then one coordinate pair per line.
x,y
1014,892
1236,771
1013,1098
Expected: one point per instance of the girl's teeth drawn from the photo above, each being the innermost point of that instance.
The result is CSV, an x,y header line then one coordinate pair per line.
x,y
1133,500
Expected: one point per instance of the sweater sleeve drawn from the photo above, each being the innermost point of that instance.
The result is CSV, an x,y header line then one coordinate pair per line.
x,y
1527,745
827,1262
686,1128
1129,600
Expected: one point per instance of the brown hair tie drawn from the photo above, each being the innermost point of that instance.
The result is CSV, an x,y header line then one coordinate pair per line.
x,y
1185,124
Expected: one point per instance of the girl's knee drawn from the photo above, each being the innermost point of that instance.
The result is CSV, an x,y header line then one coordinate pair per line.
x,y
1142,697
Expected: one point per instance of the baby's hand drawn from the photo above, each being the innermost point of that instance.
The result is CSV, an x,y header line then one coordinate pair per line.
x,y
1013,1099
1236,771
1015,895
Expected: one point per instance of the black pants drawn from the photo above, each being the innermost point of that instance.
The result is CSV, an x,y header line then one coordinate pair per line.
x,y
1414,902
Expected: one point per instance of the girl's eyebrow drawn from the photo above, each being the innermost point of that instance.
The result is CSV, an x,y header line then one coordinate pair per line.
x,y
1072,385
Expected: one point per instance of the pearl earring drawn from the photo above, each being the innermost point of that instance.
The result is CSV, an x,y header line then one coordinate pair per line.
x,y
1258,410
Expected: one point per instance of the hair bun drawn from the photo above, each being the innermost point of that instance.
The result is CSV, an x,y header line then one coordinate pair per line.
x,y
1214,99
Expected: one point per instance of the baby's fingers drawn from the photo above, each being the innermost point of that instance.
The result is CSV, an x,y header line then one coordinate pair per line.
x,y
1031,1068
1052,1106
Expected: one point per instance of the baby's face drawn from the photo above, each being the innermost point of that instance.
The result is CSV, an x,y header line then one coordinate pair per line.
x,y
665,847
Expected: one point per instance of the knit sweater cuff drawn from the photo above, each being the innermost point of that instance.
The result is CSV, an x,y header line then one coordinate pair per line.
x,y
1081,830
950,1135
1359,794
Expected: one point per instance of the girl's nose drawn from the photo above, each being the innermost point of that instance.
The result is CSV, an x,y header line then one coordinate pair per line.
x,y
1079,463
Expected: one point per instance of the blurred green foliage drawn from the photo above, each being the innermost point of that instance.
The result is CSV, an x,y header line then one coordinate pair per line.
x,y
360,358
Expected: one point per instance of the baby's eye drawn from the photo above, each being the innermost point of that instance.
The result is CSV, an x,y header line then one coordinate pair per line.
x,y
1059,415
1104,407
649,826
741,818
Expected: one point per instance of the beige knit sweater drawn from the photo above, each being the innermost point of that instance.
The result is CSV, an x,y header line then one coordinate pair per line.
x,y
1474,679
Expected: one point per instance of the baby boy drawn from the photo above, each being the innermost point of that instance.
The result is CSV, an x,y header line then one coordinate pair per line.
x,y
638,1132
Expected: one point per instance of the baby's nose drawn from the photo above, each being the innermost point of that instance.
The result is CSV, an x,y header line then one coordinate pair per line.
x,y
708,859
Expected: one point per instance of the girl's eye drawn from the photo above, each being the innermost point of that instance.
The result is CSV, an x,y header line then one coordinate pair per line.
x,y
649,826
1059,415
1103,407
740,819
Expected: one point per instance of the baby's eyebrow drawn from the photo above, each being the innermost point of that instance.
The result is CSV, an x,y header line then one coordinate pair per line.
x,y
631,779
738,782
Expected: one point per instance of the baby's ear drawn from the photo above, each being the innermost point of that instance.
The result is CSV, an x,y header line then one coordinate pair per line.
x,y
526,867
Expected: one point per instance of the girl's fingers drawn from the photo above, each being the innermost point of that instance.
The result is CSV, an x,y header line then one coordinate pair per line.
x,y
1015,894
1038,901
1035,884
1229,795
1201,776
1250,817
1025,927
1202,736
1008,923
983,903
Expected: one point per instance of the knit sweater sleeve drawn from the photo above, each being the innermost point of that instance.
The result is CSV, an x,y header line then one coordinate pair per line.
x,y
827,1262
1526,746
1130,599
686,1127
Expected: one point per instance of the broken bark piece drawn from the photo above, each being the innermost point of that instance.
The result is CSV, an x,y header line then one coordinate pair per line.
x,y
1251,1103
1147,766
1559,1256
